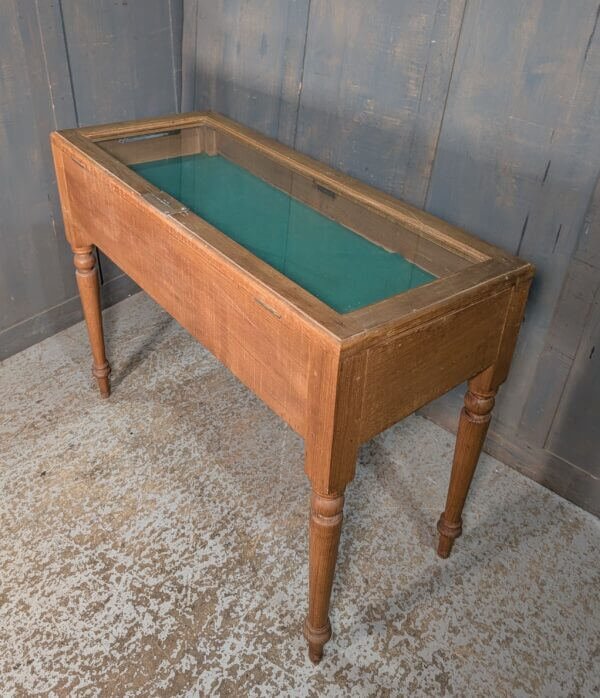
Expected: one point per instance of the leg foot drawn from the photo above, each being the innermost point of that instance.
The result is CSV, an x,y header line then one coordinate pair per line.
x,y
448,532
474,421
316,639
101,374
324,534
89,291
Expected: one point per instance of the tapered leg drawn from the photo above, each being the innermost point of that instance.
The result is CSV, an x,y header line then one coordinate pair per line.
x,y
89,291
474,421
325,525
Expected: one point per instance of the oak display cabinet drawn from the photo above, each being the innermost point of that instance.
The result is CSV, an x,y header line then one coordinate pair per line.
x,y
342,308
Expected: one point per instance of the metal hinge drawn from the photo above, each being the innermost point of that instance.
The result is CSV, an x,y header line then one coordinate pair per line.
x,y
164,203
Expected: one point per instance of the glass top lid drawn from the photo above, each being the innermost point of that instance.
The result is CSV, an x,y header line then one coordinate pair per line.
x,y
342,268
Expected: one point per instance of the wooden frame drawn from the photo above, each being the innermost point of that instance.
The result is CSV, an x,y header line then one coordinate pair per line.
x,y
337,379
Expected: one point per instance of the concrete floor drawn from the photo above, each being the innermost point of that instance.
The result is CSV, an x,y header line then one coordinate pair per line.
x,y
155,544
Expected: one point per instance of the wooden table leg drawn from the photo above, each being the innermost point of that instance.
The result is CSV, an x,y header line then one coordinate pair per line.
x,y
334,404
474,421
325,526
89,291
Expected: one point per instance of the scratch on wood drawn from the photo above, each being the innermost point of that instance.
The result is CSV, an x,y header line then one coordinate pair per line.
x,y
523,229
556,238
301,80
422,86
589,43
546,172
592,352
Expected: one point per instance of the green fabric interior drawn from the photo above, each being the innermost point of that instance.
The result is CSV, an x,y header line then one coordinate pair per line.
x,y
336,265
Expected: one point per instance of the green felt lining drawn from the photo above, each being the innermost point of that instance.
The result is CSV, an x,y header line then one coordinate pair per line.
x,y
335,264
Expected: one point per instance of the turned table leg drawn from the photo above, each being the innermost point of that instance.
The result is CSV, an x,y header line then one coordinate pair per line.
x,y
474,421
89,290
334,404
325,525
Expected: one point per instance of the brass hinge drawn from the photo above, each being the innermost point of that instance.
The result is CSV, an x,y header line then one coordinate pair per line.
x,y
164,203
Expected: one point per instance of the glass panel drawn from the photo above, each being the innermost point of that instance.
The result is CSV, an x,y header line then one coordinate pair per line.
x,y
340,267
344,252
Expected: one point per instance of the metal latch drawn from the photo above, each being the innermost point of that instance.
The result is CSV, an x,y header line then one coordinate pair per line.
x,y
164,203
324,190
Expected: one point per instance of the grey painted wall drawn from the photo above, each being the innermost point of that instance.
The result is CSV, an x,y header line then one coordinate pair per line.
x,y
485,113
62,64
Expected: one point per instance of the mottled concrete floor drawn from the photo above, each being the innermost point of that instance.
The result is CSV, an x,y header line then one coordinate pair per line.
x,y
155,544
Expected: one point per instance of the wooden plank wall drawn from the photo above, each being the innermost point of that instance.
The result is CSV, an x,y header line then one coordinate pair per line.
x,y
63,64
245,60
485,113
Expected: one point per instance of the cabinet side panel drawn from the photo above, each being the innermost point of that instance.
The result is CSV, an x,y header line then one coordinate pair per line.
x,y
407,371
244,325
